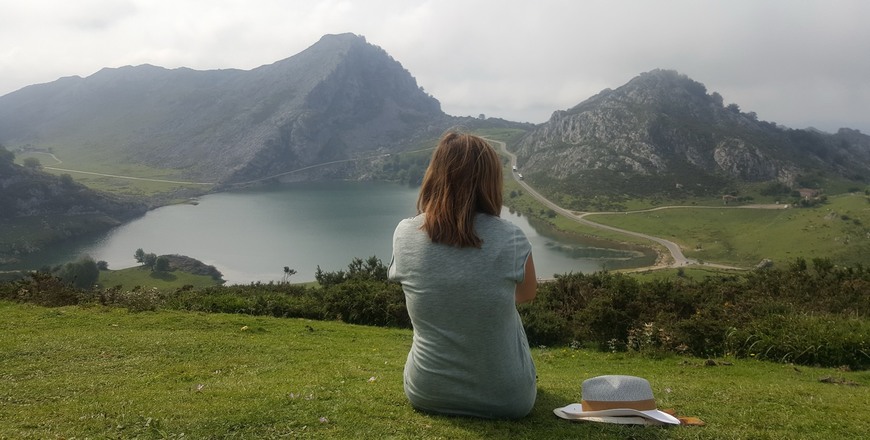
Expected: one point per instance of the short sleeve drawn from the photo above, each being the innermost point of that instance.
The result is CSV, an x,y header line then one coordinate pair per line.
x,y
399,239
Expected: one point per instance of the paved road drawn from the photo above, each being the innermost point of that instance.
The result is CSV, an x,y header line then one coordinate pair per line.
x,y
677,257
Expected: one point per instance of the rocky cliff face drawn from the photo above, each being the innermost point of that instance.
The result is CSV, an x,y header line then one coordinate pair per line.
x,y
365,102
339,98
663,125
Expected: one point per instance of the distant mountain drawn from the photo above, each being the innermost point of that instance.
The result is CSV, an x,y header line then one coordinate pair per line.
x,y
663,134
340,98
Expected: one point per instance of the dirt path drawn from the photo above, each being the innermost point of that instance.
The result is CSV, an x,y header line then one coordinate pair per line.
x,y
66,170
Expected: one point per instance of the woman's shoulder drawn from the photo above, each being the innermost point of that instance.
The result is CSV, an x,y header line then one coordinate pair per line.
x,y
492,222
410,223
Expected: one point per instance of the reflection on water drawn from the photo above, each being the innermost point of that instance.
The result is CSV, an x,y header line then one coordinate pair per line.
x,y
580,251
251,235
557,252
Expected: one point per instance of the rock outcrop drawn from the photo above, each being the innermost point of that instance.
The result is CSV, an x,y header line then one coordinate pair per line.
x,y
662,130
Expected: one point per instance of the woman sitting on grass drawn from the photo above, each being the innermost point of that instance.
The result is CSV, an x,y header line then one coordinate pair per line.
x,y
463,270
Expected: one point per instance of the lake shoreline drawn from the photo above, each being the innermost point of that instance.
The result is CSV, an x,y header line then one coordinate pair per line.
x,y
304,225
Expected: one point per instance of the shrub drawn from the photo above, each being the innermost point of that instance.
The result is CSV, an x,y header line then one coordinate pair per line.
x,y
805,315
366,302
545,327
82,273
811,339
136,300
815,315
41,288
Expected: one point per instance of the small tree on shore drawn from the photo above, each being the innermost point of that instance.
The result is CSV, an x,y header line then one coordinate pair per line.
x,y
82,274
161,264
150,260
287,274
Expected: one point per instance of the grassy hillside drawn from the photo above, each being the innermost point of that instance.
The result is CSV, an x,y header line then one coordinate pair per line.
x,y
115,175
143,277
106,373
839,230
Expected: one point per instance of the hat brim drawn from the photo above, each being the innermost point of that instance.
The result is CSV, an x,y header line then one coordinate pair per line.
x,y
620,416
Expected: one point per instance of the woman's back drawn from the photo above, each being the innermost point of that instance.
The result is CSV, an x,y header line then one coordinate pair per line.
x,y
470,355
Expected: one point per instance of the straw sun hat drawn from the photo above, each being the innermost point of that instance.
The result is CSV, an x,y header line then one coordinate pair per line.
x,y
617,399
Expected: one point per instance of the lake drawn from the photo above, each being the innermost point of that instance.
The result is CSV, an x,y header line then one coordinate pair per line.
x,y
251,235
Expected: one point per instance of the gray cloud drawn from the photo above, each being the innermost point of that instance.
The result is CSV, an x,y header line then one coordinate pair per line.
x,y
797,63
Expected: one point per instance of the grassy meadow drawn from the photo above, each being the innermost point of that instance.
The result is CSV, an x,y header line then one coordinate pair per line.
x,y
839,230
143,277
135,179
92,371
738,236
97,372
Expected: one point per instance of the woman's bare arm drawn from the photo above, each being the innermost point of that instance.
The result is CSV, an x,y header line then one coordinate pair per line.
x,y
528,288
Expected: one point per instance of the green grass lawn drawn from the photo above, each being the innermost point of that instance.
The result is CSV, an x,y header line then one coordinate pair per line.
x,y
95,372
143,277
836,230
696,273
140,186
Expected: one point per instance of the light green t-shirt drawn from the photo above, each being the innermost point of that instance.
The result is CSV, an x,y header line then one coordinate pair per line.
x,y
470,355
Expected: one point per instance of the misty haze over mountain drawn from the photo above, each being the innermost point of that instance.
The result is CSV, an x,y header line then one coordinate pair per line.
x,y
344,98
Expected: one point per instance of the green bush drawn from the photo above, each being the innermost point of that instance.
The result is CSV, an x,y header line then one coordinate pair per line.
x,y
41,288
814,314
279,300
804,338
366,302
82,273
546,327
136,300
802,314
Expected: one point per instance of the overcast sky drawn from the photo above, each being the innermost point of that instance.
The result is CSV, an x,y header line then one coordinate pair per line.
x,y
796,62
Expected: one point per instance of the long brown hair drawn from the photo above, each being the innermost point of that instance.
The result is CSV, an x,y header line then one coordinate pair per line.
x,y
464,178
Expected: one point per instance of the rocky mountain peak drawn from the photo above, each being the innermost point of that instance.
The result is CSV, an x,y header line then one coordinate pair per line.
x,y
661,131
337,98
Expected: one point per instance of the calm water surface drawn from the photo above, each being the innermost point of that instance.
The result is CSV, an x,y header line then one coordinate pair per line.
x,y
251,235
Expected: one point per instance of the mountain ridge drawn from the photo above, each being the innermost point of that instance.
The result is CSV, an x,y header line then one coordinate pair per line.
x,y
662,134
231,125
343,98
663,128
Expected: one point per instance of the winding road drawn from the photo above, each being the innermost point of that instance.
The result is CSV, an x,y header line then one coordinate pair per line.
x,y
678,259
90,173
